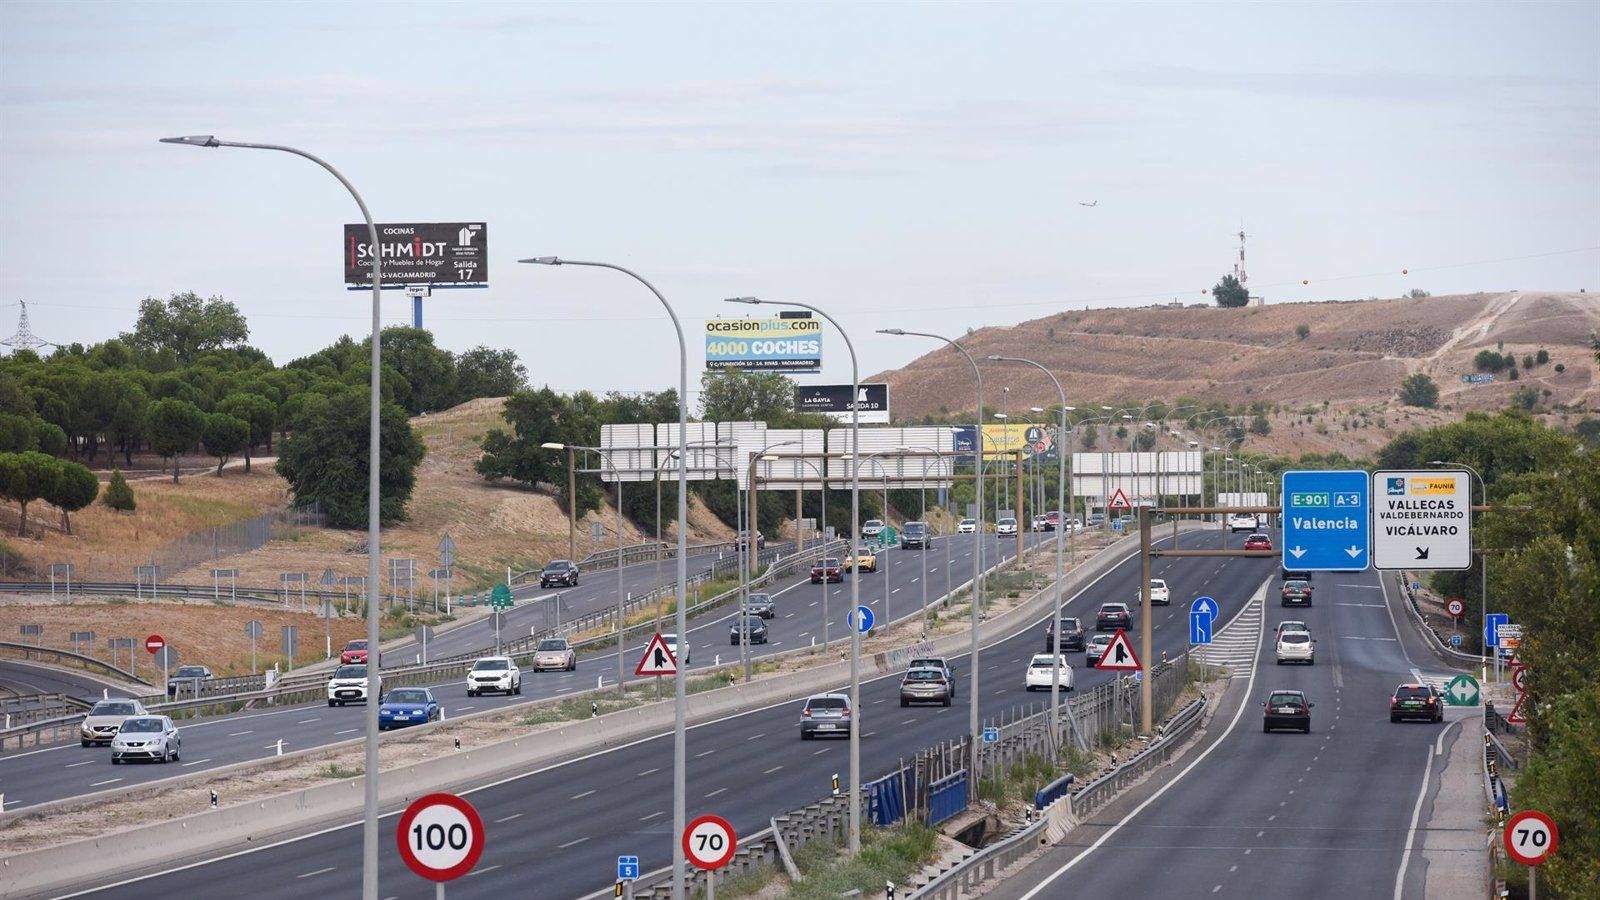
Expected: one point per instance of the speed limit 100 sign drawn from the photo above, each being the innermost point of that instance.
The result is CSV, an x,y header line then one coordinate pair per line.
x,y
1531,837
709,842
440,836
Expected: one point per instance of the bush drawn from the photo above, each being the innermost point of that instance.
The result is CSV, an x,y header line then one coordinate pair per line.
x,y
1527,361
1527,398
1488,361
1512,374
1418,294
119,494
1419,390
1302,331
1229,293
1542,357
1560,367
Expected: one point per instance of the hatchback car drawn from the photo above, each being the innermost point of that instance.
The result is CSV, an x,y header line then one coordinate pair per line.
x,y
555,655
494,673
148,738
1296,646
1296,593
1286,709
1095,649
1112,616
967,526
926,686
761,605
408,706
563,572
754,626
827,570
1258,541
940,663
825,714
872,528
864,559
104,718
354,653
1242,522
1039,677
348,685
1160,595
671,640
1415,701
1071,635
1007,525
1097,519
1052,521
916,534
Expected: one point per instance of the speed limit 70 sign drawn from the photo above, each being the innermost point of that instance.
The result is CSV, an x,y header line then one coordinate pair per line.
x,y
709,842
1531,837
440,836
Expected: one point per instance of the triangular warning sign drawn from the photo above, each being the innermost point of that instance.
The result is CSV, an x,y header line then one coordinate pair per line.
x,y
1119,500
1516,717
657,659
1119,655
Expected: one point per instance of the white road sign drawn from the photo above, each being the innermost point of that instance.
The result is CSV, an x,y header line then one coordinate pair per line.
x,y
1421,520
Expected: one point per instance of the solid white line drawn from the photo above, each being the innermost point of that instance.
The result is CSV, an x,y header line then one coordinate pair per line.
x,y
1416,813
317,872
506,819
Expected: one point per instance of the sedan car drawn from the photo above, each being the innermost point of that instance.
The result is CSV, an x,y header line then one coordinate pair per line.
x,y
754,626
1159,594
1007,525
104,718
563,572
872,528
1296,593
355,652
1258,541
348,685
825,714
967,526
148,738
1097,518
671,640
864,559
1242,522
555,655
494,673
1112,616
827,570
761,605
1415,701
926,686
1039,677
743,540
940,663
1286,709
1071,635
408,706
1095,649
191,678
1296,646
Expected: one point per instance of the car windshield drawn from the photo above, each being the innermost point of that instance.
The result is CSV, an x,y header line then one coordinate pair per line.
x,y
1040,662
1101,639
491,665
557,645
1284,700
969,521
190,672
141,726
1412,693
1295,637
407,695
350,672
559,565
671,640
356,645
872,523
749,622
1113,608
1257,537
113,708
760,598
915,528
1008,521
924,675
1070,625
830,562
927,662
827,703
1157,583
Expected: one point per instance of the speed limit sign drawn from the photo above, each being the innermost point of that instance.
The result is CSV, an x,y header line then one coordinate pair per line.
x,y
440,836
709,842
1456,607
1531,837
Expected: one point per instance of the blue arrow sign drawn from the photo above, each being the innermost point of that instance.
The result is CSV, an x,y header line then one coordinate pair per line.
x,y
861,620
1199,628
1491,628
1326,521
627,868
1203,606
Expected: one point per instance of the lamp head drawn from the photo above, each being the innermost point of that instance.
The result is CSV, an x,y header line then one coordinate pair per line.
x,y
194,140
543,260
1435,463
753,301
551,445
891,331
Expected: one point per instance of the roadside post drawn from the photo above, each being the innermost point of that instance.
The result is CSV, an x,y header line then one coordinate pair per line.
x,y
154,644
423,633
1531,838
500,600
1202,616
58,570
708,843
440,837
252,630
290,636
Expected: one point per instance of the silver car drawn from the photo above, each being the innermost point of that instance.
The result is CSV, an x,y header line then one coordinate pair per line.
x,y
825,714
104,718
147,737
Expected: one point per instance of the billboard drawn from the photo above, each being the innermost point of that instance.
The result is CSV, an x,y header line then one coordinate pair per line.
x,y
834,400
782,344
1006,438
439,254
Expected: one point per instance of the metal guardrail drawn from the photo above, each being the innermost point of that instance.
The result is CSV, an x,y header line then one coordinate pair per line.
x,y
58,656
1101,790
274,596
22,710
1434,638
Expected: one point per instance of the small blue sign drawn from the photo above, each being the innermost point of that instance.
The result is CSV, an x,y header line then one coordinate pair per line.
x,y
1199,628
1416,585
627,868
991,735
1203,606
861,619
1326,520
1491,628
1116,524
1455,640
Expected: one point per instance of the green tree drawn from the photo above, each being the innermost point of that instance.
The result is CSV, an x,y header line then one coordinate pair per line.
x,y
223,436
75,489
26,477
1229,293
174,426
1488,361
483,372
119,494
258,412
1419,390
732,395
1089,434
1527,361
325,461
1542,357
1260,425
429,373
185,325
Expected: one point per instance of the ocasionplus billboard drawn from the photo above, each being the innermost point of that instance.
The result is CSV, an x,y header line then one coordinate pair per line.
x,y
441,254
764,345
834,400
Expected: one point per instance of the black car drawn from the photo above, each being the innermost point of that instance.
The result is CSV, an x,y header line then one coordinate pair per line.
x,y
761,605
916,534
743,541
755,626
562,572
1416,701
1071,635
1113,616
1297,593
191,678
1286,709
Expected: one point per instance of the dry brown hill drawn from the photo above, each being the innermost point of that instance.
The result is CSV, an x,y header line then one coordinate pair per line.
x,y
1354,356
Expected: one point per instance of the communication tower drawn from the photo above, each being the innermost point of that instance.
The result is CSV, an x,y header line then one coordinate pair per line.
x,y
25,339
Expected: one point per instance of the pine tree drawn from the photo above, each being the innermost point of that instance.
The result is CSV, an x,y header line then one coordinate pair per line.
x,y
119,494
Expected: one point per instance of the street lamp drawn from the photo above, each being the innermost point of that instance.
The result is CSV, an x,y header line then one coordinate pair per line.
x,y
974,732
855,580
750,556
1483,573
369,829
572,518
679,733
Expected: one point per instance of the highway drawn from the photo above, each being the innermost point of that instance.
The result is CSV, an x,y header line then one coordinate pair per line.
x,y
31,777
1328,814
562,827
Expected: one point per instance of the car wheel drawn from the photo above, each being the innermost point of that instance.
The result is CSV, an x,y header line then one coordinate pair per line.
x,y
1265,728
177,753
946,701
904,703
805,735
84,743
1306,729
115,761
573,666
518,688
1393,720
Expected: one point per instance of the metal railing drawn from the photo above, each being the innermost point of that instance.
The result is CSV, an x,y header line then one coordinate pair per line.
x,y
27,708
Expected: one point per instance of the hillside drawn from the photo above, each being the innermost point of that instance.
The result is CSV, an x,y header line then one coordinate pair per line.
x,y
1354,357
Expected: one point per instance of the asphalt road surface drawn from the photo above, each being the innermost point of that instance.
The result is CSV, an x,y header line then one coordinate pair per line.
x,y
23,678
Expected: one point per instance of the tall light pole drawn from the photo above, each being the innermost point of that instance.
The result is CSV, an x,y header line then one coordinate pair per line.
x,y
855,579
572,516
974,731
752,556
1483,572
369,829
679,733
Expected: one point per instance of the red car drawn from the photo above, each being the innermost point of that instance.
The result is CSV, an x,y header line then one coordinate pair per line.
x,y
1258,542
353,653
827,570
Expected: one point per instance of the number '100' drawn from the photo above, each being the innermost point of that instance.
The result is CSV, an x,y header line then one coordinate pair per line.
x,y
436,837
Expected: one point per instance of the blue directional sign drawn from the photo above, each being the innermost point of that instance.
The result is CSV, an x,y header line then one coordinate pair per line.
x,y
861,619
1491,628
1199,628
627,868
1203,606
1326,521
1455,640
991,735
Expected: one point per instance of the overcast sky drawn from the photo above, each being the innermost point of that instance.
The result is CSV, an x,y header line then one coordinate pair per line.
x,y
900,165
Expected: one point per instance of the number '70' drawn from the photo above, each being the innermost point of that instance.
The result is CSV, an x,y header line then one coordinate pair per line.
x,y
708,841
1537,837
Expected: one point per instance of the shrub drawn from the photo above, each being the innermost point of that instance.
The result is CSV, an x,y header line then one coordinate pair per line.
x,y
119,494
1488,361
1527,361
1542,357
1560,367
1302,331
1419,390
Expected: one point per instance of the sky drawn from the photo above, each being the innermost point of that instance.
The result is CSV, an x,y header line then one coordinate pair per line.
x,y
910,165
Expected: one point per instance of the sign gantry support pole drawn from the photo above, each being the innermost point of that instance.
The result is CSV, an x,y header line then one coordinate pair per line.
x,y
1144,620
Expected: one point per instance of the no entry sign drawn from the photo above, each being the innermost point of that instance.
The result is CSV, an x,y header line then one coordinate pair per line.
x,y
440,836
154,643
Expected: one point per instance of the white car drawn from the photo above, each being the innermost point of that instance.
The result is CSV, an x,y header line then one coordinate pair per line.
x,y
1038,677
1096,649
348,685
671,640
1242,522
105,717
1296,646
147,737
555,654
1159,593
967,526
1290,625
871,528
1007,525
494,673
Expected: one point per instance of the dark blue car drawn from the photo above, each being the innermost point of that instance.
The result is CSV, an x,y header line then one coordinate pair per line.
x,y
407,706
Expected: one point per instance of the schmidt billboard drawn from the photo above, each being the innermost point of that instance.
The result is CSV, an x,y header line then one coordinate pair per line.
x,y
438,254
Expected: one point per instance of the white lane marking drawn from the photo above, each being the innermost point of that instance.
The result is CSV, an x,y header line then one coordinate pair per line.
x,y
99,783
1367,605
771,770
705,753
239,733
508,818
317,872
1416,813
346,731
196,762
756,737
87,762
308,722
483,870
1364,587
659,812
647,772
580,796
820,752
459,708
715,792
573,843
